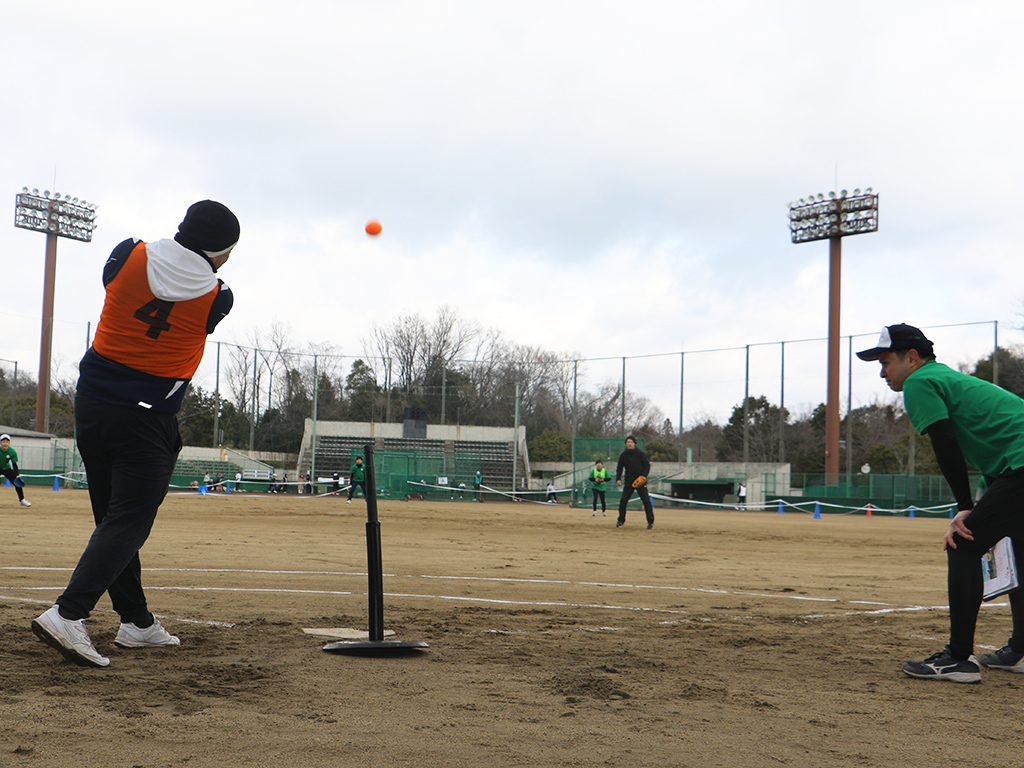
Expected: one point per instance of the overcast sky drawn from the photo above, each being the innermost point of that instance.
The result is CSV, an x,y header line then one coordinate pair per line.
x,y
600,179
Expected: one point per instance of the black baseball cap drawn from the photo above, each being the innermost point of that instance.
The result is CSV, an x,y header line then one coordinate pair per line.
x,y
209,227
898,338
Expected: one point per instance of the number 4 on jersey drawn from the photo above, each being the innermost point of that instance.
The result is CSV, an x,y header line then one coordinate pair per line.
x,y
155,314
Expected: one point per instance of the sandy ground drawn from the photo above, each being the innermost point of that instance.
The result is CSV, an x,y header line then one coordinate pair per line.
x,y
716,639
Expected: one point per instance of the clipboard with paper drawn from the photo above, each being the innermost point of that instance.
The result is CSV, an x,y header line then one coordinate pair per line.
x,y
999,569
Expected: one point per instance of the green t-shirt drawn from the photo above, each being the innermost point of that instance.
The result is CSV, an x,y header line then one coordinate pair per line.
x,y
987,421
7,458
358,473
598,477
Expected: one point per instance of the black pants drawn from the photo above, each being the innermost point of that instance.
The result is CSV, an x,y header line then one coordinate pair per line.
x,y
9,474
599,494
627,491
999,513
129,455
352,488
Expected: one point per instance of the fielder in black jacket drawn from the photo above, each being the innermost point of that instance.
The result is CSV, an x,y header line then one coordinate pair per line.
x,y
633,463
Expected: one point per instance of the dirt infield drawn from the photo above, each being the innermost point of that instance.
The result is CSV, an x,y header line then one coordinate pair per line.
x,y
717,639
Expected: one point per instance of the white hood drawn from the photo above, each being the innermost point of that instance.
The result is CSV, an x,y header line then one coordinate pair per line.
x,y
177,274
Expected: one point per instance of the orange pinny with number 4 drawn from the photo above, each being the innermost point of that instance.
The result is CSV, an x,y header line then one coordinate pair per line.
x,y
160,335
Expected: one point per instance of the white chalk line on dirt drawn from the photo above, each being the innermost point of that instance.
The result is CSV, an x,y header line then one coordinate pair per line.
x,y
495,579
203,622
884,608
525,603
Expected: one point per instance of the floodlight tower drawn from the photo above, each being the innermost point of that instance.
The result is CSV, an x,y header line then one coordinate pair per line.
x,y
832,219
57,217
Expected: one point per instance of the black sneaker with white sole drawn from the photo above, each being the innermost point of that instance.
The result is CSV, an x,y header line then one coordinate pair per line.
x,y
1004,658
942,666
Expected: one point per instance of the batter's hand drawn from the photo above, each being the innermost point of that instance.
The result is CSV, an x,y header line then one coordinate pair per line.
x,y
956,525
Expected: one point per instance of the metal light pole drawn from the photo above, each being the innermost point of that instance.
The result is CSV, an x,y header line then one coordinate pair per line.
x,y
57,217
818,218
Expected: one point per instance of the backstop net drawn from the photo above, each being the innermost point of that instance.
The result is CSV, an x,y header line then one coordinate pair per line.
x,y
403,474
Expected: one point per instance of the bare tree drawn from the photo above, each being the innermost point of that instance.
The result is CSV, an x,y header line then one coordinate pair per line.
x,y
447,338
242,377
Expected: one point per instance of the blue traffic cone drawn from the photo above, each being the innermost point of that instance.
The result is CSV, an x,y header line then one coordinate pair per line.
x,y
8,484
911,511
203,490
817,511
56,482
781,510
227,487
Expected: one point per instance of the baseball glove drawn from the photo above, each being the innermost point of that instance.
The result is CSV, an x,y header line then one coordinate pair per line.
x,y
639,481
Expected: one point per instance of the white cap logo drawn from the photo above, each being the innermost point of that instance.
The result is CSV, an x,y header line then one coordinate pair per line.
x,y
885,341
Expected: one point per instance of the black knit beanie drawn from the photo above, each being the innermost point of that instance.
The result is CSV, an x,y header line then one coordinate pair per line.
x,y
208,227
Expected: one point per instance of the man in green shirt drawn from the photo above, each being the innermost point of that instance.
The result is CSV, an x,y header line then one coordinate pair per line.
x,y
358,478
967,420
599,476
9,468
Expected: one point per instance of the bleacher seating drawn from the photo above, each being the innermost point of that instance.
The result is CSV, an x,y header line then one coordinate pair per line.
x,y
335,453
494,460
422,446
201,467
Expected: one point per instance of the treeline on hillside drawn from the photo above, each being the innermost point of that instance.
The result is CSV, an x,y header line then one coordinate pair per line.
x,y
450,366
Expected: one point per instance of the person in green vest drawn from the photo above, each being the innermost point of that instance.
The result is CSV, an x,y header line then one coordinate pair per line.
x,y
599,476
478,482
358,478
9,468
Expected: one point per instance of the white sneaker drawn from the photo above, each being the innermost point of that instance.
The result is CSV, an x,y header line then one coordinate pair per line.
x,y
68,637
349,501
25,503
155,636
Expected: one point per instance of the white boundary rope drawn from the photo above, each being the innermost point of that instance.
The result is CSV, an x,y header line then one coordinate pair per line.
x,y
779,505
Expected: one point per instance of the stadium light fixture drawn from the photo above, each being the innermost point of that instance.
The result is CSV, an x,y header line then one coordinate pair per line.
x,y
833,219
55,216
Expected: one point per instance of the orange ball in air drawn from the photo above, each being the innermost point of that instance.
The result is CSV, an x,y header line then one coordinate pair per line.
x,y
373,228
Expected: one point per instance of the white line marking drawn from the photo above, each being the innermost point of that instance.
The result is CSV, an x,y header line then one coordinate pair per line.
x,y
177,619
884,608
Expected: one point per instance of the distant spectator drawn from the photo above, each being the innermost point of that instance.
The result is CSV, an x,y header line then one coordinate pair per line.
x,y
358,478
599,478
9,468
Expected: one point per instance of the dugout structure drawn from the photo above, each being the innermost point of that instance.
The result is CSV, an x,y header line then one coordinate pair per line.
x,y
586,452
